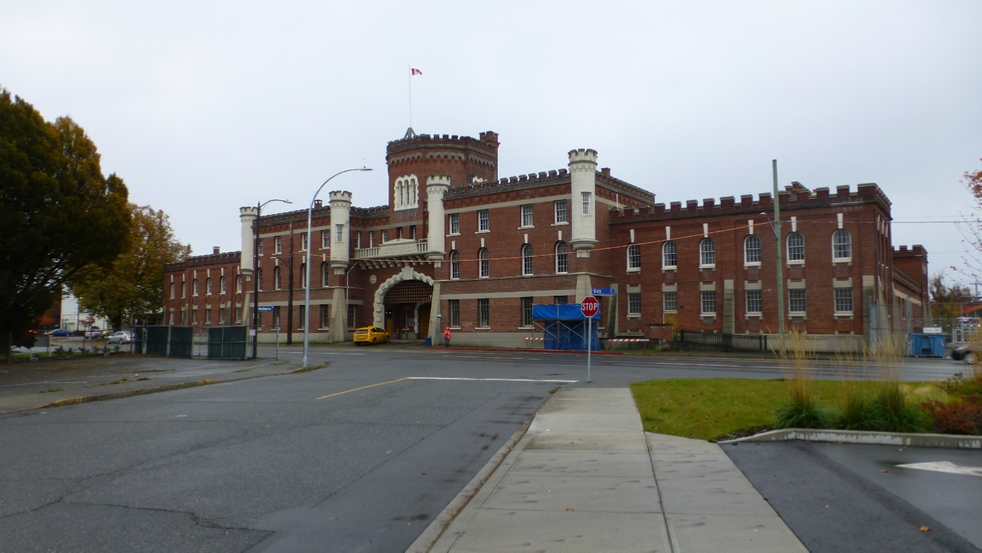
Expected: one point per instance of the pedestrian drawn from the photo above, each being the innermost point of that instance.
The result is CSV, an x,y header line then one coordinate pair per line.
x,y
446,337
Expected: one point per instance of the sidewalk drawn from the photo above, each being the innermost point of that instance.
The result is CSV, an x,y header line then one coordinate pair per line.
x,y
586,477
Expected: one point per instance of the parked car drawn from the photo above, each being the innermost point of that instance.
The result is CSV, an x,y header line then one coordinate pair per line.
x,y
966,353
59,332
19,349
93,333
121,337
370,335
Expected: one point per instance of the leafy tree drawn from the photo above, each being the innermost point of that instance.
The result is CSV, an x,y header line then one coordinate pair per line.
x,y
133,285
58,213
971,229
947,301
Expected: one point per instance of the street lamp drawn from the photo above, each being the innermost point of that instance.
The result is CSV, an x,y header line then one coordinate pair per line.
x,y
255,274
310,242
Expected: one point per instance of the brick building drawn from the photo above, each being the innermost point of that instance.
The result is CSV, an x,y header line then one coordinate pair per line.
x,y
457,246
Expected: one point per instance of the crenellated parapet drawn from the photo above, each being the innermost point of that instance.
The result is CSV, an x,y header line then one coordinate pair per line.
x,y
547,178
792,198
488,143
370,212
223,258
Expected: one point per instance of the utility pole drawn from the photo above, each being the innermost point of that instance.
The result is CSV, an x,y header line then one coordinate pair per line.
x,y
780,257
289,301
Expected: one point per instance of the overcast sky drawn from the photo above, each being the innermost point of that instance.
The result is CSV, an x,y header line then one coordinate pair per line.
x,y
203,107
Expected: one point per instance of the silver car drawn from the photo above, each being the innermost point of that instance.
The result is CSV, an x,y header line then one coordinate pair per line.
x,y
121,337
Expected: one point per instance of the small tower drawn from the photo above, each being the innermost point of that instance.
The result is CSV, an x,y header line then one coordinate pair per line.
x,y
436,187
583,180
340,223
247,215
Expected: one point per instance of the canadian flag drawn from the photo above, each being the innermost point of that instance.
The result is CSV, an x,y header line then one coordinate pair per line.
x,y
415,71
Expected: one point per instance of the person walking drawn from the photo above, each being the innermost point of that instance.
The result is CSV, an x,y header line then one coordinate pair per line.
x,y
446,337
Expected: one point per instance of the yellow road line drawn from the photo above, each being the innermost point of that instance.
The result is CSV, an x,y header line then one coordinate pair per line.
x,y
362,388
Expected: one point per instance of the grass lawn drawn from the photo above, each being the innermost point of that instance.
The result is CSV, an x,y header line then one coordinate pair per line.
x,y
707,408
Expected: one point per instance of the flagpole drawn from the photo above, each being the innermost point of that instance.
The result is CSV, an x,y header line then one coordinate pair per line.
x,y
410,96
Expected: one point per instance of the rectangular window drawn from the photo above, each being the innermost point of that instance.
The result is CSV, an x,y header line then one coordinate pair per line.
x,y
325,316
238,284
207,286
303,242
454,266
586,202
559,208
526,311
278,244
183,290
634,304
352,311
560,300
339,233
483,220
358,240
484,313
223,316
843,300
385,235
412,231
302,318
398,233
172,291
755,303
796,300
634,257
260,247
527,215
670,302
371,239
208,316
325,239
455,223
238,315
194,316
708,302
194,287
454,307
221,285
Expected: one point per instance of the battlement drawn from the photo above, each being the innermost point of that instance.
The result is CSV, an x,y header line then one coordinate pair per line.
x,y
916,250
547,178
370,212
438,180
583,155
488,143
340,196
792,198
207,259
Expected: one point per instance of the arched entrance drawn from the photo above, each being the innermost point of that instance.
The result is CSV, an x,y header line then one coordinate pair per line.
x,y
402,304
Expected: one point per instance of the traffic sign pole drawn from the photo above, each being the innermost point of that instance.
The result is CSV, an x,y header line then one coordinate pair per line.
x,y
589,307
589,340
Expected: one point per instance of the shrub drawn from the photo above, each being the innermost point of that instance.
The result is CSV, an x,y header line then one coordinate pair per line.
x,y
959,417
802,411
858,412
891,409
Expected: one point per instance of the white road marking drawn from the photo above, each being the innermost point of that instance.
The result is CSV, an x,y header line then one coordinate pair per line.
x,y
944,466
491,379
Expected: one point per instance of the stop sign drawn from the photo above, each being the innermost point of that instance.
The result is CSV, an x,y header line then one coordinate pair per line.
x,y
589,306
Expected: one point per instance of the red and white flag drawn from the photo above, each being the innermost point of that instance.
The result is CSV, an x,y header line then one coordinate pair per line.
x,y
415,71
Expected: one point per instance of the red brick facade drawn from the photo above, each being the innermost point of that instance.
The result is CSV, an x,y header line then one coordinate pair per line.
x,y
499,252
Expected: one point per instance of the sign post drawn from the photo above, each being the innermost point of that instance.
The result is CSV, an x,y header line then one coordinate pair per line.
x,y
589,307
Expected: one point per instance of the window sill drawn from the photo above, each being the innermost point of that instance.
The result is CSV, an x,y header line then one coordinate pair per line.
x,y
756,315
484,277
526,228
529,327
528,274
453,234
707,315
671,311
564,223
634,269
483,231
843,261
633,316
482,328
670,268
843,314
752,264
708,267
796,262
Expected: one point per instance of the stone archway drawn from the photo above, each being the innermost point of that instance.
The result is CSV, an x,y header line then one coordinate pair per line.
x,y
378,308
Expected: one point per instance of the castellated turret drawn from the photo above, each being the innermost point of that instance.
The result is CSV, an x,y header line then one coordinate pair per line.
x,y
436,187
247,216
340,229
583,185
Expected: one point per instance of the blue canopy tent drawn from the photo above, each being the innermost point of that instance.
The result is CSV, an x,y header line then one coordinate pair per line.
x,y
564,327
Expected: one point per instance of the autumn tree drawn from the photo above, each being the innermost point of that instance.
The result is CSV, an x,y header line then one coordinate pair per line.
x,y
58,213
971,230
947,301
132,287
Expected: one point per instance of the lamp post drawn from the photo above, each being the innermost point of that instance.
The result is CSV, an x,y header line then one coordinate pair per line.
x,y
779,251
310,237
255,274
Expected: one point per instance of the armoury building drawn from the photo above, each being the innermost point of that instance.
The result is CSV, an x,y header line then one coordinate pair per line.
x,y
457,246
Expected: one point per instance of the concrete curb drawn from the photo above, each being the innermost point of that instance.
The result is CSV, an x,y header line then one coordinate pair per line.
x,y
432,534
859,437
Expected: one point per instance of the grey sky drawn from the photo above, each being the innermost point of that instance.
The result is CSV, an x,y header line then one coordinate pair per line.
x,y
203,107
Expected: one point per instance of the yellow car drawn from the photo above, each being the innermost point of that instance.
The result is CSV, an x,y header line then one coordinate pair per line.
x,y
370,335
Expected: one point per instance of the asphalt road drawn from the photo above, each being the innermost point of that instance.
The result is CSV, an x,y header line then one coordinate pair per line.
x,y
359,456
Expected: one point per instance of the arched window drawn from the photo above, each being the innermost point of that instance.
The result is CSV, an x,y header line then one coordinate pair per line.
x,y
276,277
527,259
208,286
484,263
238,284
796,248
669,255
634,257
324,273
455,264
303,275
707,253
221,285
259,278
562,260
194,287
841,245
751,249
399,187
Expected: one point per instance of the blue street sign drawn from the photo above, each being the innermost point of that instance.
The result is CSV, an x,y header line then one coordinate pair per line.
x,y
265,308
602,291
